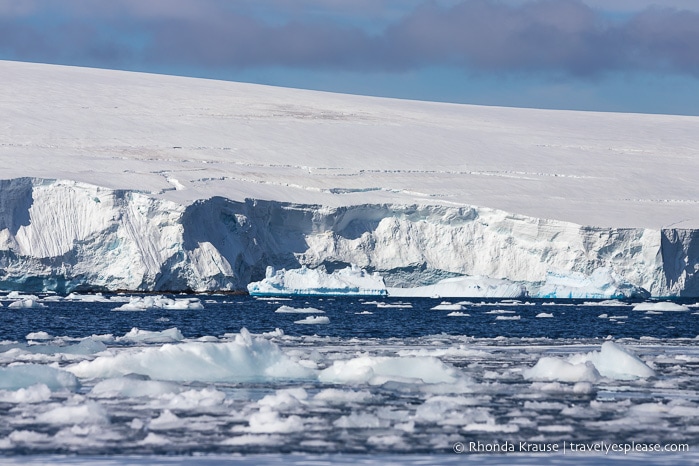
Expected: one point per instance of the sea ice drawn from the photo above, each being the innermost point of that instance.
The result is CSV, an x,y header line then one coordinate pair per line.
x,y
351,281
615,362
661,307
146,336
25,375
447,306
26,303
464,287
556,369
313,320
244,359
378,370
602,283
612,361
37,393
88,412
38,336
294,310
144,303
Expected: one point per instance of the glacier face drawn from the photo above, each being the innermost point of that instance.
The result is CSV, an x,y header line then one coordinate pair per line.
x,y
66,235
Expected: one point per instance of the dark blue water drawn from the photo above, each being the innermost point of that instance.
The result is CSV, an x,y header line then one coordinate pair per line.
x,y
224,314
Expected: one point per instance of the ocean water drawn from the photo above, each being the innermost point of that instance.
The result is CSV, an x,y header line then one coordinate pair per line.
x,y
387,381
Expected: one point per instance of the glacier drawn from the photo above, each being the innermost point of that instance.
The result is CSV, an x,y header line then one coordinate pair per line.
x,y
140,182
64,236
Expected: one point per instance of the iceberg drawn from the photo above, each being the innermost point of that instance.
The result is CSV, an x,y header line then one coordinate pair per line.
x,y
602,283
350,281
465,287
612,361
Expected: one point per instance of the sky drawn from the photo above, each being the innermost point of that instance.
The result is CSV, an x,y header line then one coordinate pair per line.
x,y
638,56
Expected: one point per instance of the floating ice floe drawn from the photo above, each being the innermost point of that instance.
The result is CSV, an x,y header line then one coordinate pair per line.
x,y
544,315
464,287
612,361
294,310
664,306
447,306
88,298
458,314
350,281
602,283
38,336
37,393
377,370
27,375
247,358
145,303
26,303
137,335
313,320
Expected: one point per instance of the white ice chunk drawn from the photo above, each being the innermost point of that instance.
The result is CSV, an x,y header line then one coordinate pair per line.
x,y
465,287
337,396
89,412
304,281
544,315
555,369
38,336
190,399
446,306
137,335
144,303
246,358
612,361
602,283
313,320
33,394
26,303
294,310
458,314
26,375
616,362
167,421
132,387
88,298
378,370
661,307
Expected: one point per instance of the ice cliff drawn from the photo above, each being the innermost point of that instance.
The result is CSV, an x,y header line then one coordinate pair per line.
x,y
65,235
115,180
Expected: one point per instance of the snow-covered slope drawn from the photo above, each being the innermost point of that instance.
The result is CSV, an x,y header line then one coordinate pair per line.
x,y
121,180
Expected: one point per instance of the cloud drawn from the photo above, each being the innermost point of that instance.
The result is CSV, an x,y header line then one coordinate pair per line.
x,y
566,37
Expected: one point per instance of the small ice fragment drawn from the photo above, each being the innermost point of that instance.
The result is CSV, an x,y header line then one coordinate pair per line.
x,y
313,320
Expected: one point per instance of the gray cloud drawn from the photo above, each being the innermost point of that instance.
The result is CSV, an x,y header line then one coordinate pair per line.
x,y
549,36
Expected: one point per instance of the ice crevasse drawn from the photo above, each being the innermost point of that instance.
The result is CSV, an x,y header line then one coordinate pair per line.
x,y
65,235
